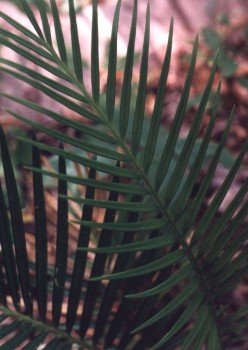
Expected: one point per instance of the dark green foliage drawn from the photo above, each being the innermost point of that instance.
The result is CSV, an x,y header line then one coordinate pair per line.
x,y
154,273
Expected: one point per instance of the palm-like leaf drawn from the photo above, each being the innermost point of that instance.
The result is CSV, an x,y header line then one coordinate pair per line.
x,y
148,207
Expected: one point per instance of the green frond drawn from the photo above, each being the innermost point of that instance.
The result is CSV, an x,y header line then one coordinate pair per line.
x,y
150,263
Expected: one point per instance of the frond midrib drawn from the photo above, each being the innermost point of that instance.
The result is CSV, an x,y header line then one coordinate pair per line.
x,y
171,222
143,176
41,326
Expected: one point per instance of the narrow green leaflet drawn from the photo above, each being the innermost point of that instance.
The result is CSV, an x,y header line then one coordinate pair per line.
x,y
21,28
158,108
169,148
169,259
80,127
99,262
192,211
17,339
124,206
95,79
17,225
43,79
86,146
111,80
27,44
40,235
179,171
51,93
199,331
31,17
58,31
213,339
217,229
127,79
183,319
77,59
209,214
141,96
105,168
187,291
231,271
33,58
3,299
181,201
35,342
104,185
44,19
165,286
139,226
8,256
111,292
148,244
80,258
61,245
23,321
241,313
225,250
9,328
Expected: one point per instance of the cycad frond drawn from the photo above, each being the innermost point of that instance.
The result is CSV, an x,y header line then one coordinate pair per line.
x,y
168,271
